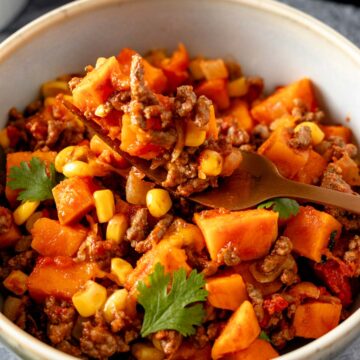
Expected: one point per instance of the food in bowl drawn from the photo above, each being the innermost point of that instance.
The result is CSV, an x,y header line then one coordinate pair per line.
x,y
97,266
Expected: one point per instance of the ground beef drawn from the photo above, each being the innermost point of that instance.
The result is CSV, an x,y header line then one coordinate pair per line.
x,y
301,113
280,338
193,186
352,256
24,261
170,341
237,136
333,180
55,128
185,100
68,348
260,133
228,256
138,227
202,111
257,301
155,235
61,319
99,342
301,139
6,220
282,248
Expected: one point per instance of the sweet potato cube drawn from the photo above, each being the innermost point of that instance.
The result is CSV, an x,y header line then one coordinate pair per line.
x,y
50,238
95,88
226,292
14,159
240,331
165,253
310,231
315,319
239,110
10,238
73,199
215,90
187,351
240,230
60,277
288,160
258,350
312,170
337,130
282,101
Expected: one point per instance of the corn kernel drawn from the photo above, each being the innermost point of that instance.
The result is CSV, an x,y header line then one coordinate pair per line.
x,y
16,282
69,154
11,308
121,269
158,202
77,168
114,304
102,110
52,88
116,228
195,69
104,204
4,139
238,87
143,351
317,135
211,163
90,299
214,69
24,211
194,135
32,219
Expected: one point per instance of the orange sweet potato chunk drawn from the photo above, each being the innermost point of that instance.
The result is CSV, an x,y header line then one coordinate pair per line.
x,y
226,292
73,199
187,351
240,331
10,238
310,232
337,130
258,350
282,101
14,159
50,238
313,169
239,110
250,232
60,277
215,90
95,88
288,160
315,319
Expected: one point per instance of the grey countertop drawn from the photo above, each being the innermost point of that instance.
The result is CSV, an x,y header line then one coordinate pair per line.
x,y
344,18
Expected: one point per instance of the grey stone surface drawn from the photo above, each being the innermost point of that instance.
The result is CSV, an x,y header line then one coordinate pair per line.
x,y
344,18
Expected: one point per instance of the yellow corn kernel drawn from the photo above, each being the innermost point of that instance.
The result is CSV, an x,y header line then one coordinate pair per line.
x,y
32,219
317,135
116,228
24,211
214,69
104,204
143,351
194,135
211,163
238,87
4,139
195,69
115,303
11,308
90,299
121,269
52,88
158,202
69,154
102,110
16,282
77,168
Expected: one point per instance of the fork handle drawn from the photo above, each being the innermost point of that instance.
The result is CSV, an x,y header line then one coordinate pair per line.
x,y
289,188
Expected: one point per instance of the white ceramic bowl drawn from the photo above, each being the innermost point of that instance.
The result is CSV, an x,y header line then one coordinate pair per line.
x,y
267,38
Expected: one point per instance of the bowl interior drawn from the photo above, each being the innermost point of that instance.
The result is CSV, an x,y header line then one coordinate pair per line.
x,y
266,38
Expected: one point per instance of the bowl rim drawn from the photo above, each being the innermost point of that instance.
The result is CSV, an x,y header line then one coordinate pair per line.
x,y
28,343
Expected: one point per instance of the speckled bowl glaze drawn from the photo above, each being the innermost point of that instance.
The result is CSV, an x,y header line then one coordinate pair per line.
x,y
267,38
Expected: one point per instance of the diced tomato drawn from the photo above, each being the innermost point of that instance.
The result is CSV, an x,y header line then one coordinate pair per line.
x,y
275,304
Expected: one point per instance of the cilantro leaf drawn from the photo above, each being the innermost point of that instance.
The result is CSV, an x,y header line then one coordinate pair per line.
x,y
284,206
169,309
33,181
264,336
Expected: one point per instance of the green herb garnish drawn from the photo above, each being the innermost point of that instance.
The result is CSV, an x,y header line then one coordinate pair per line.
x,y
284,206
172,309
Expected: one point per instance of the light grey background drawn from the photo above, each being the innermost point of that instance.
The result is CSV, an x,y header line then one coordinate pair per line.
x,y
344,18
